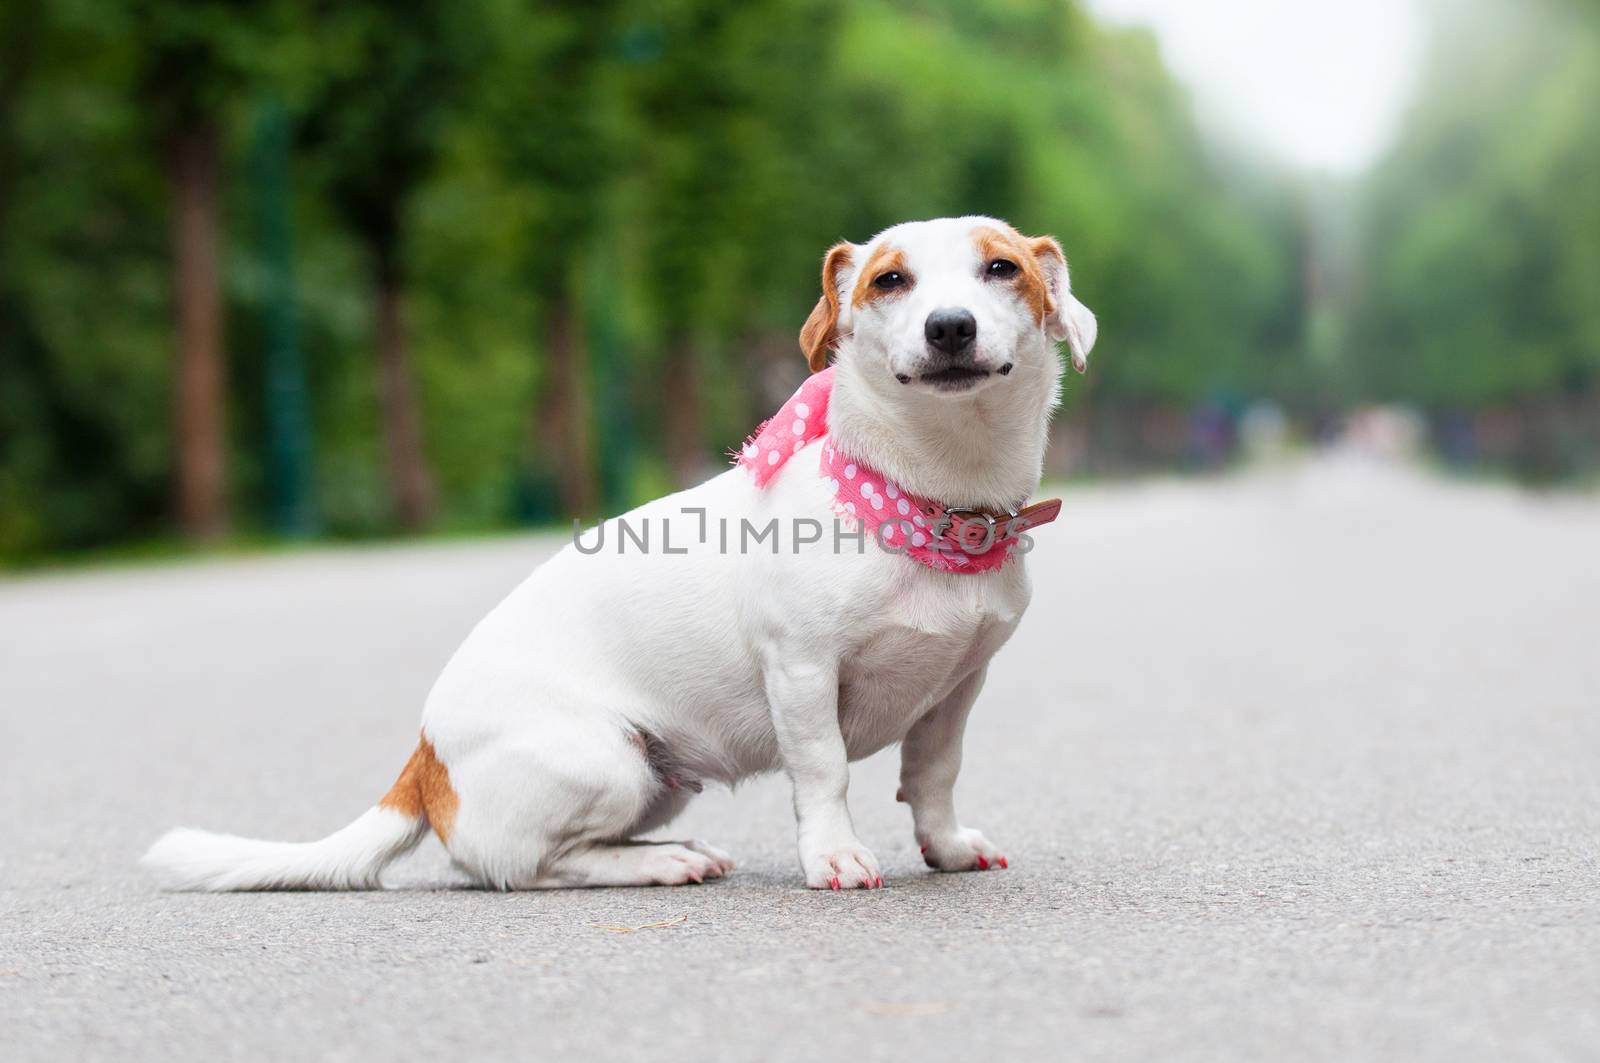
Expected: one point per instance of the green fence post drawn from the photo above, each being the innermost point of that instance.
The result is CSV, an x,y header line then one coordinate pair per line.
x,y
291,500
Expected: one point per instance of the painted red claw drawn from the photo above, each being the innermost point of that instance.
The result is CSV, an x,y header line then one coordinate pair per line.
x,y
834,882
1001,861
983,863
878,884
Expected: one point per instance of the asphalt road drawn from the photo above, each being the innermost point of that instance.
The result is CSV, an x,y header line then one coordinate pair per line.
x,y
1299,765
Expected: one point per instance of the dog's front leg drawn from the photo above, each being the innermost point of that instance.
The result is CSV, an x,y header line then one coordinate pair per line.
x,y
804,698
930,760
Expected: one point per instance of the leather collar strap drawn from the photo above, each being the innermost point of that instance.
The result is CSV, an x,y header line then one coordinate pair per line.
x,y
970,527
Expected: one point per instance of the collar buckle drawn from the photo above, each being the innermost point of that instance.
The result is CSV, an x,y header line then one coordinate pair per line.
x,y
976,530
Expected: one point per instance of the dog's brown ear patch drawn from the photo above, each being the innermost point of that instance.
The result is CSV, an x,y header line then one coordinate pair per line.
x,y
424,789
1067,318
821,330
1047,257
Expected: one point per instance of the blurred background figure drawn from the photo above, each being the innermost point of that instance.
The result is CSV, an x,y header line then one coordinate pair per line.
x,y
305,269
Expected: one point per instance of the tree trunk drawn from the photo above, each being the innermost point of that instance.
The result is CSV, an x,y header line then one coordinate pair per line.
x,y
564,413
410,478
684,424
201,447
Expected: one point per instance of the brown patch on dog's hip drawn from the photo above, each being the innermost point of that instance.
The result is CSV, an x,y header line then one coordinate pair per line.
x,y
423,790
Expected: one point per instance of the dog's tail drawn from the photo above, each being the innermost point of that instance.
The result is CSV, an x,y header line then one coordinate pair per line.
x,y
349,859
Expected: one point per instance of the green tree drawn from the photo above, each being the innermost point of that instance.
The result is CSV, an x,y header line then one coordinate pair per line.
x,y
727,106
377,124
552,122
195,55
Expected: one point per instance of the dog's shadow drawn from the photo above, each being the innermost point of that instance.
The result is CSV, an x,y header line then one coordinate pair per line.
x,y
776,881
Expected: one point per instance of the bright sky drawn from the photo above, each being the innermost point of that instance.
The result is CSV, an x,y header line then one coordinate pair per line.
x,y
1321,84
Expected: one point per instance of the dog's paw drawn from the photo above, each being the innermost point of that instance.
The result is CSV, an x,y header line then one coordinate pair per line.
x,y
843,867
680,863
963,850
724,863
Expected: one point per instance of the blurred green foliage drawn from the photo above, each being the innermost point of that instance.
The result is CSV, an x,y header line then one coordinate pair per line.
x,y
517,225
1479,294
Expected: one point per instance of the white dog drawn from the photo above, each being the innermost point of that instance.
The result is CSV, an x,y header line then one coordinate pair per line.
x,y
591,704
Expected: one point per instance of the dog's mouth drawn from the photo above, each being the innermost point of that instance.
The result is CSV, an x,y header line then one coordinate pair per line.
x,y
955,378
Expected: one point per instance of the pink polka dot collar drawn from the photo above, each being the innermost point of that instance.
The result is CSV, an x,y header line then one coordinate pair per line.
x,y
945,538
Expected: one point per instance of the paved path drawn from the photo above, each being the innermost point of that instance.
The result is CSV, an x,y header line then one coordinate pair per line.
x,y
1301,765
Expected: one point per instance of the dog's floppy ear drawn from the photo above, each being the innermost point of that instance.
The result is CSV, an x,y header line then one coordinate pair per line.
x,y
1065,317
821,330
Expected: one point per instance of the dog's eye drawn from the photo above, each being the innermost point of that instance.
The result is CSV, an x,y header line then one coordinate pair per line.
x,y
1002,268
889,280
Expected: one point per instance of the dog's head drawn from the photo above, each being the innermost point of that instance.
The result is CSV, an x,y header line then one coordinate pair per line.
x,y
948,307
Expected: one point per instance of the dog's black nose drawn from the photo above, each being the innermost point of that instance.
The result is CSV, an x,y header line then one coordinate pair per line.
x,y
951,330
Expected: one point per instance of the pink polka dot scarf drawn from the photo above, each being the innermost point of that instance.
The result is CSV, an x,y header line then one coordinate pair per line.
x,y
947,539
